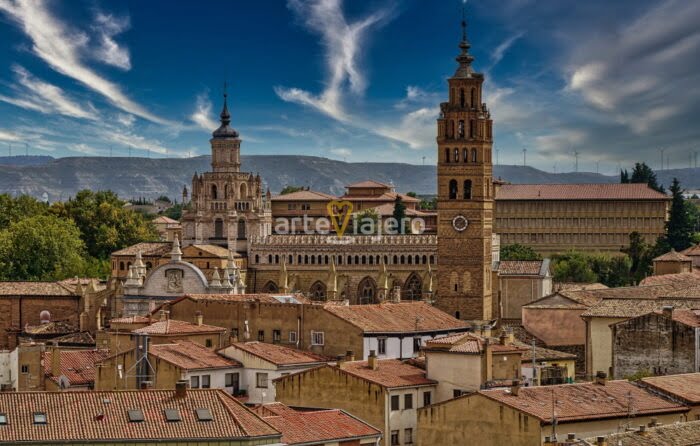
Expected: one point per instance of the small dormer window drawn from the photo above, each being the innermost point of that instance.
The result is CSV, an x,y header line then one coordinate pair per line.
x,y
40,418
3,419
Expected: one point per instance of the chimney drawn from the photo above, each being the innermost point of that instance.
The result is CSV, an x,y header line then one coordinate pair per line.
x,y
601,378
199,318
503,338
570,437
642,429
600,441
164,315
372,361
515,387
349,355
667,311
181,389
654,422
55,361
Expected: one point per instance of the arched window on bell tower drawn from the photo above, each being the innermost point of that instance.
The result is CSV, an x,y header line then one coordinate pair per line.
x,y
453,189
447,155
213,192
472,126
461,97
456,155
452,129
465,155
473,98
474,156
467,189
461,128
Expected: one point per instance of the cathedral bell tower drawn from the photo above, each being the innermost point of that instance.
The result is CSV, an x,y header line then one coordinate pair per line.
x,y
225,144
465,194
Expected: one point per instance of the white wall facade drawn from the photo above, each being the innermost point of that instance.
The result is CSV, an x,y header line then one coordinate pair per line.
x,y
6,374
396,347
402,419
217,377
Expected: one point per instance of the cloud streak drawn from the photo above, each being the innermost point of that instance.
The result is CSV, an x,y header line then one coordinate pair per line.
x,y
202,116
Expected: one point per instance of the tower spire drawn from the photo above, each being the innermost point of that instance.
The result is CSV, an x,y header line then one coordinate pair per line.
x,y
225,130
225,115
464,23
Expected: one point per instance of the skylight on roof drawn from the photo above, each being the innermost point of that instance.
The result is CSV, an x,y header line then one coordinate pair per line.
x,y
135,415
172,415
40,418
3,419
204,414
286,299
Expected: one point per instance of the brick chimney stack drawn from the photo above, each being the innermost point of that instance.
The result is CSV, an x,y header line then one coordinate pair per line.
x,y
199,318
667,311
601,378
372,361
181,389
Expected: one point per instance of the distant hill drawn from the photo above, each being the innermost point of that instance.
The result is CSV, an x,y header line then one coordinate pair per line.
x,y
150,177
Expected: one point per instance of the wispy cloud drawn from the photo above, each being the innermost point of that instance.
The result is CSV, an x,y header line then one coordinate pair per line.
x,y
37,95
8,136
126,119
415,129
202,116
61,48
342,42
341,151
107,26
500,51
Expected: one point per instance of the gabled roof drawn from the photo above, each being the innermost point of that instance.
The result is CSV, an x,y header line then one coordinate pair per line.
x,y
189,355
676,434
523,267
576,286
164,219
612,191
390,373
175,327
670,279
314,426
386,196
82,417
585,401
76,365
389,317
672,256
469,343
52,289
692,251
542,354
368,184
146,249
304,195
685,387
278,354
217,251
628,308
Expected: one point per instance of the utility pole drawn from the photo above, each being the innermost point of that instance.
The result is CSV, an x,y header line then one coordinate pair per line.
x,y
524,157
662,150
576,161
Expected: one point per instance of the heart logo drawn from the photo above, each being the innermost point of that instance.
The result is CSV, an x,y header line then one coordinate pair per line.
x,y
339,213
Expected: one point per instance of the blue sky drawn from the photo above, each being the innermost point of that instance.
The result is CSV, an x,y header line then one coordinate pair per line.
x,y
354,80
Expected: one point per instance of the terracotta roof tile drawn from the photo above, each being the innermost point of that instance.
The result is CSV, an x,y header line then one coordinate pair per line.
x,y
673,256
368,184
665,279
541,353
469,343
314,426
578,192
684,386
676,434
218,251
189,355
278,354
34,289
397,317
76,365
146,248
387,196
84,416
628,308
575,286
521,267
390,373
174,327
164,219
692,251
585,401
305,195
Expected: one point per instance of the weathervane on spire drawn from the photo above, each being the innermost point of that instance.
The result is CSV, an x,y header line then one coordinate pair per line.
x,y
464,22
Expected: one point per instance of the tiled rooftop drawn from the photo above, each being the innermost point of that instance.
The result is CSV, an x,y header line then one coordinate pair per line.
x,y
174,327
676,434
673,256
574,402
611,191
366,184
685,386
76,365
189,355
314,426
469,343
692,251
397,317
521,267
390,373
34,289
304,195
82,417
215,250
665,279
146,249
280,355
542,354
628,308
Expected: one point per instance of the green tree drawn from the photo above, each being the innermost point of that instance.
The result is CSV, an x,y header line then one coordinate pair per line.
x,y
366,222
517,251
105,225
412,194
640,254
164,198
573,267
42,247
399,214
624,176
15,209
641,173
679,227
174,211
611,271
290,189
428,204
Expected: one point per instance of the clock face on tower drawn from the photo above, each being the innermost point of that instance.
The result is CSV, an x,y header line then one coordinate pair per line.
x,y
460,223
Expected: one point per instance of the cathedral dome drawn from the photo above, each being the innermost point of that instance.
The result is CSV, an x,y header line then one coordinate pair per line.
x,y
225,130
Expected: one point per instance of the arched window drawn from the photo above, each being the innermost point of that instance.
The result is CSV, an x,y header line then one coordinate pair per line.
x,y
453,189
386,260
425,260
396,260
452,129
403,260
299,259
318,259
367,291
241,229
357,260
456,155
306,260
277,259
371,260
447,155
467,189
340,260
465,155
473,98
218,228
269,258
349,260
313,260
475,158
149,265
413,288
225,190
472,126
270,287
432,260
410,260
417,259
257,258
325,260
454,281
318,291
243,191
213,192
364,260
291,259
461,97
461,128
456,314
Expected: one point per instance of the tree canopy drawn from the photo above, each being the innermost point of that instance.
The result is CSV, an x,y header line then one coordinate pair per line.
x,y
290,189
517,251
641,173
679,227
400,214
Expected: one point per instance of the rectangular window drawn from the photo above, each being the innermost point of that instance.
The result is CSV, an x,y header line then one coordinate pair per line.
x,y
394,438
276,336
293,337
261,335
234,333
25,368
206,381
381,346
408,436
417,344
456,393
208,343
3,419
408,401
394,402
261,380
232,380
317,338
40,418
427,398
194,382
